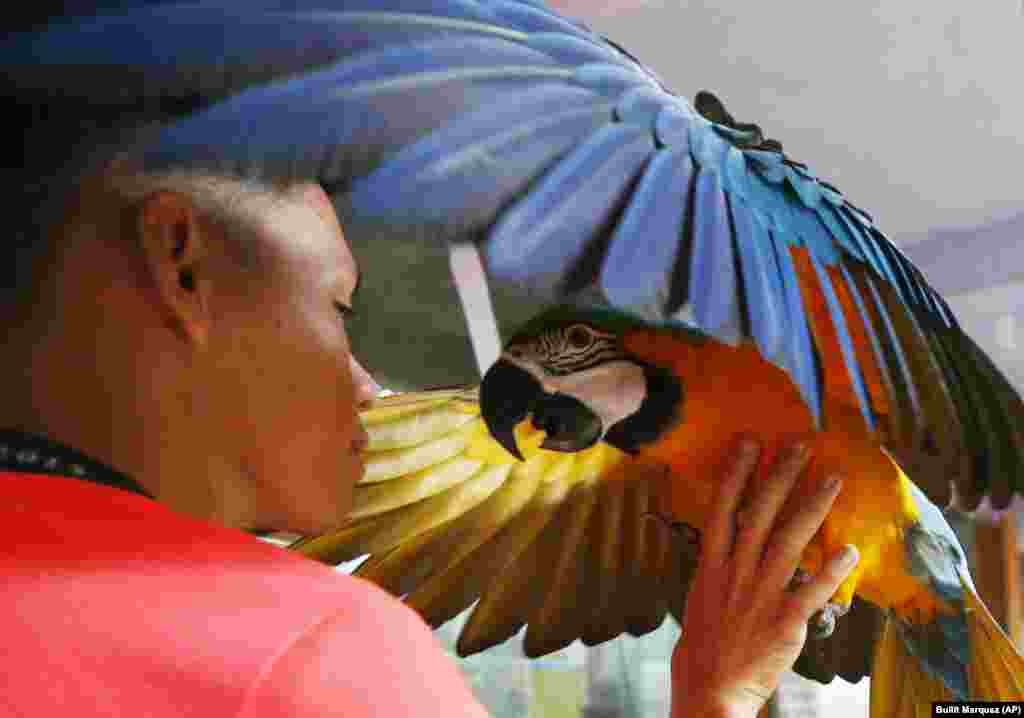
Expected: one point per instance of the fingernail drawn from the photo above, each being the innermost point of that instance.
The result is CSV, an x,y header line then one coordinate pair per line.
x,y
848,557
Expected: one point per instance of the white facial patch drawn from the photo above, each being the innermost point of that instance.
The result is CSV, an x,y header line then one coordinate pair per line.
x,y
613,391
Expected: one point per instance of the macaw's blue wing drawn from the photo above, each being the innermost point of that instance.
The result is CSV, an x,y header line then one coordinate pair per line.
x,y
577,173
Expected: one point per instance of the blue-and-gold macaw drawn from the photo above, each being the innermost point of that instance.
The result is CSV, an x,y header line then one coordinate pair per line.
x,y
702,281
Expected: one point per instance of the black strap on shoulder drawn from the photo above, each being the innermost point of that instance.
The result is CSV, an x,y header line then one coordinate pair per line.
x,y
33,454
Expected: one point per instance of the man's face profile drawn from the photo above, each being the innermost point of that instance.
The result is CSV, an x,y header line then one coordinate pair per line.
x,y
217,367
281,367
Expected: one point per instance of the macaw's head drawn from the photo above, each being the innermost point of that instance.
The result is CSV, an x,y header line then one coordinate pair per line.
x,y
570,372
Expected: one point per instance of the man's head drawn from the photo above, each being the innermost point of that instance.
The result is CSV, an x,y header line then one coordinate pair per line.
x,y
189,330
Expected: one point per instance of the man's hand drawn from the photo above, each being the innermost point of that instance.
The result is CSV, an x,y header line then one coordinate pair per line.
x,y
744,627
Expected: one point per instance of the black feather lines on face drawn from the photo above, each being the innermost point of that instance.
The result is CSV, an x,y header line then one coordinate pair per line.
x,y
561,351
571,348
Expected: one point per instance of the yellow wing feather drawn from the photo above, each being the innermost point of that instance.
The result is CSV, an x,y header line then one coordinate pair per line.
x,y
566,544
447,517
997,670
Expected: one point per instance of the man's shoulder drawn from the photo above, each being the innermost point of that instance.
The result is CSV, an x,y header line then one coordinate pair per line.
x,y
64,521
199,611
372,657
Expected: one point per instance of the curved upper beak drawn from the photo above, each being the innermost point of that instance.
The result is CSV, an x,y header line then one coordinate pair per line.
x,y
508,394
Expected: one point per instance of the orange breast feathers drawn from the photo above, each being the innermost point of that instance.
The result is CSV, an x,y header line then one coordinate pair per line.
x,y
729,390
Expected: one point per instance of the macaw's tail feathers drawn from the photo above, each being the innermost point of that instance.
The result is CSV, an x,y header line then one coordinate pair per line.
x,y
996,671
900,686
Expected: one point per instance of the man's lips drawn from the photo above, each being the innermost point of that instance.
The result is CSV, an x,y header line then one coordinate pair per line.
x,y
361,440
358,464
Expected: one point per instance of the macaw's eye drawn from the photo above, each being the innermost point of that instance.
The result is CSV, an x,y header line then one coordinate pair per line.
x,y
579,337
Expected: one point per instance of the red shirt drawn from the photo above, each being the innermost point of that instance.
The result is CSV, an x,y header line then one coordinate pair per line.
x,y
113,605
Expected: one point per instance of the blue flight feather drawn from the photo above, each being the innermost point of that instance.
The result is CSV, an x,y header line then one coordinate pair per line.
x,y
250,131
640,106
454,171
922,292
790,212
639,275
770,200
869,327
838,318
408,62
571,50
863,238
672,127
735,175
707,147
540,239
841,234
947,314
901,280
911,276
762,290
801,359
805,224
768,165
893,342
609,79
807,188
712,295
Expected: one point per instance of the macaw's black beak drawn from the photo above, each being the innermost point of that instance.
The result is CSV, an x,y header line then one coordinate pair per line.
x,y
509,394
567,422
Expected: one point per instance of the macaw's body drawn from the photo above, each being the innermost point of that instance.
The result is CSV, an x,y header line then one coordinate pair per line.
x,y
733,390
537,499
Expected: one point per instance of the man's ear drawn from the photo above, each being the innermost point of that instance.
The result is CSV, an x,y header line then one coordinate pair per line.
x,y
175,247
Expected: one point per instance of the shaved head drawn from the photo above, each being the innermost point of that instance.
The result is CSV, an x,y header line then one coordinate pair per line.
x,y
103,204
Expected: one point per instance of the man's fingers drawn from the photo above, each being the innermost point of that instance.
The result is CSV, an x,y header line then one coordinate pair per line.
x,y
718,538
812,595
763,502
791,536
